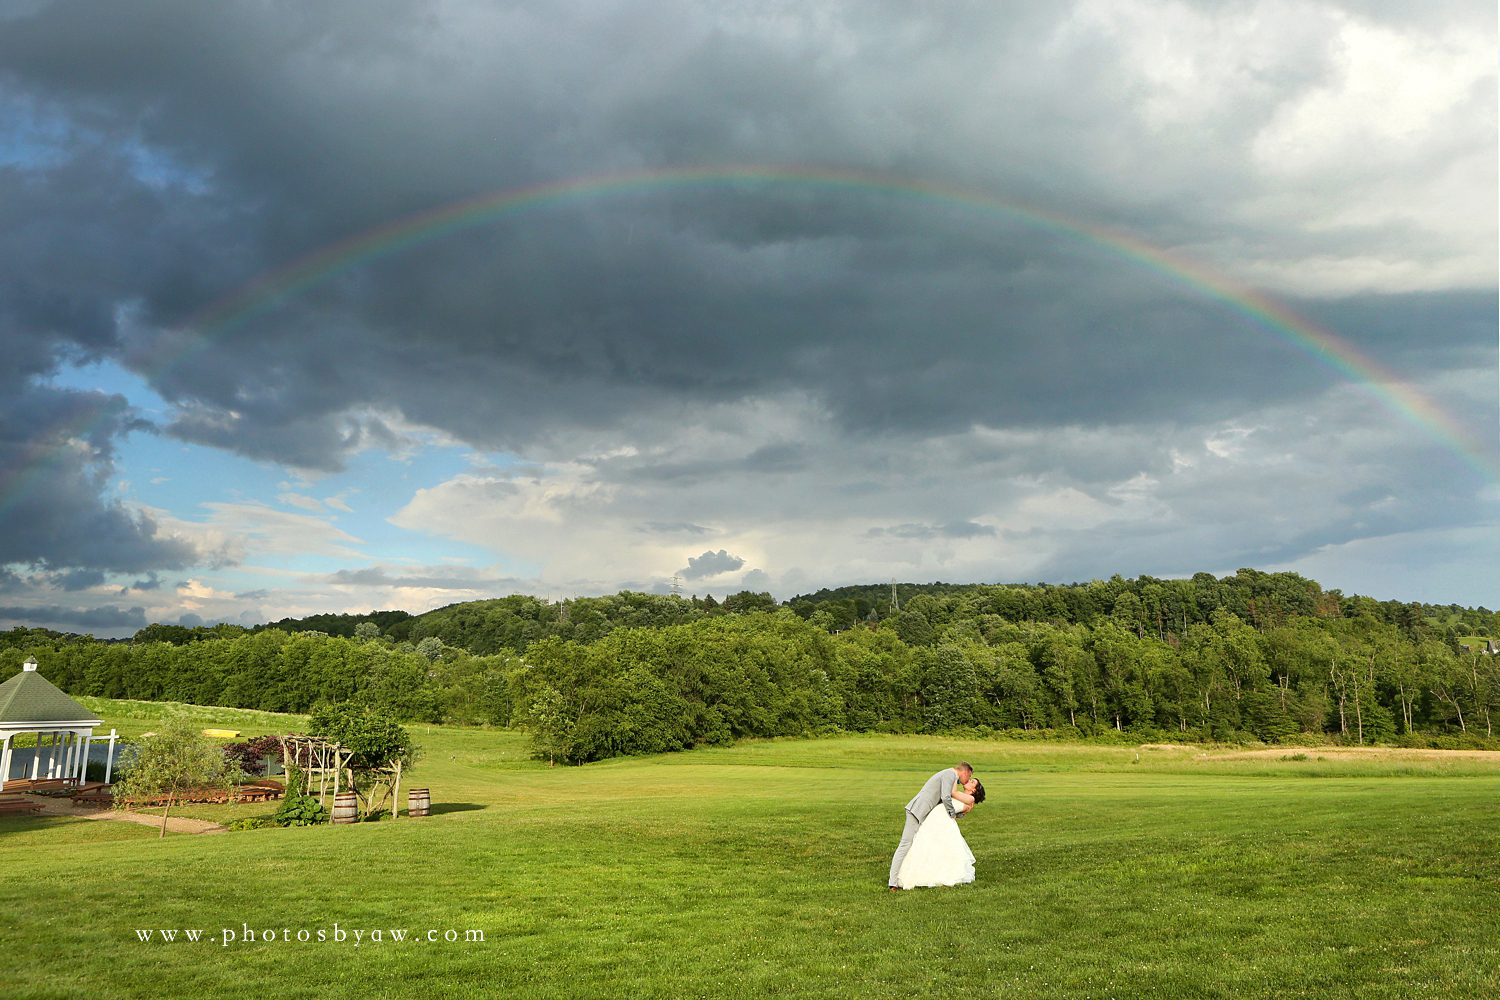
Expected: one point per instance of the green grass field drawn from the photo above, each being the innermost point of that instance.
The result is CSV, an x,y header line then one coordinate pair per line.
x,y
760,870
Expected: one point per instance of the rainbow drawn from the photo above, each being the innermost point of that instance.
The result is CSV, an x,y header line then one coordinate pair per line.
x,y
276,287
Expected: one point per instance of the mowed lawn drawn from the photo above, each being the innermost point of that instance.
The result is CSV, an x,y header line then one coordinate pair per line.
x,y
760,870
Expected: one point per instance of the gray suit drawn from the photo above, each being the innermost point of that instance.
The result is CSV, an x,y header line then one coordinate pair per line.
x,y
938,789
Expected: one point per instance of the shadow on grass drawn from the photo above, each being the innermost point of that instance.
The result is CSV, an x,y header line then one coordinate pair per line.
x,y
13,824
438,808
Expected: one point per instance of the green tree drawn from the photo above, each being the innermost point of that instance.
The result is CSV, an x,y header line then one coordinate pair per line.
x,y
372,743
914,629
546,717
174,760
949,687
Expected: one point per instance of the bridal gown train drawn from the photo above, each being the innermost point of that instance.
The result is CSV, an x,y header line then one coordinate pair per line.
x,y
938,856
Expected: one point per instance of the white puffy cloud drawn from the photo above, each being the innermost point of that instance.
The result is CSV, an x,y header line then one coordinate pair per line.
x,y
1274,485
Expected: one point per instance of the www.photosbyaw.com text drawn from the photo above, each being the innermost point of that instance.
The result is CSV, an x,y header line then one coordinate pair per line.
x,y
338,934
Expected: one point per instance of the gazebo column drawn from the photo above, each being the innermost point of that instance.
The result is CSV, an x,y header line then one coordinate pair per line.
x,y
109,762
5,760
83,766
36,757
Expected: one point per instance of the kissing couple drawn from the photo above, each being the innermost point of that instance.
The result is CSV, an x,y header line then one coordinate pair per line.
x,y
932,851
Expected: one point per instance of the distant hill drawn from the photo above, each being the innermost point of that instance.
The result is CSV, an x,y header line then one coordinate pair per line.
x,y
396,624
1150,604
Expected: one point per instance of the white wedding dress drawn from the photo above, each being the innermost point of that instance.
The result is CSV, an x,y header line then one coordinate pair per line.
x,y
938,856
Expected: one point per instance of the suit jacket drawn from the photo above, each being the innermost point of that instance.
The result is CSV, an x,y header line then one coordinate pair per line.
x,y
939,788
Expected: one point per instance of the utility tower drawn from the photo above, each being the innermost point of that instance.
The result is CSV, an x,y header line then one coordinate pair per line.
x,y
895,604
676,586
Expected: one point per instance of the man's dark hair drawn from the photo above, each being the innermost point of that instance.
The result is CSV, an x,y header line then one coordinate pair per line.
x,y
978,791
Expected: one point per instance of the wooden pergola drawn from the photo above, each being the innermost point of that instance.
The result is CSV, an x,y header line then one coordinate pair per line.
x,y
323,759
315,757
29,703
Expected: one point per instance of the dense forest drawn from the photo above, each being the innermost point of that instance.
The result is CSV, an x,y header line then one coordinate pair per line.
x,y
1250,657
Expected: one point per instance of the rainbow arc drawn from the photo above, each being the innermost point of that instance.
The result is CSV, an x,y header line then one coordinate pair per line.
x,y
274,288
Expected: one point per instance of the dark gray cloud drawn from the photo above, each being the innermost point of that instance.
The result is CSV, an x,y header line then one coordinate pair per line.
x,y
78,579
711,564
157,156
666,527
107,617
960,529
201,145
57,451
436,579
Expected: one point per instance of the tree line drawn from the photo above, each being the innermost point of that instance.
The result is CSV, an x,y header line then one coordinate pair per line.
x,y
1253,657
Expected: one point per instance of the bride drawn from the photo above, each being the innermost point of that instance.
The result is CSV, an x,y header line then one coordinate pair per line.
x,y
939,855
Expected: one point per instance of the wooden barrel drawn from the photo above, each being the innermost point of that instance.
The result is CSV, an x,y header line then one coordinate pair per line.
x,y
418,802
345,808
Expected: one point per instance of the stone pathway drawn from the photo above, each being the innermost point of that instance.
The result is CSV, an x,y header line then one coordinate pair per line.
x,y
175,824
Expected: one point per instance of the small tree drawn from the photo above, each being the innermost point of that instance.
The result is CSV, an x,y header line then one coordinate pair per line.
x,y
174,760
548,723
375,744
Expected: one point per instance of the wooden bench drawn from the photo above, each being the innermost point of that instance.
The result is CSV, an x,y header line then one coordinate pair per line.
x,y
39,785
261,791
95,799
15,805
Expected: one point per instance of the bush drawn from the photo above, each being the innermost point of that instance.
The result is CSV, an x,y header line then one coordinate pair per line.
x,y
252,823
300,810
248,755
372,736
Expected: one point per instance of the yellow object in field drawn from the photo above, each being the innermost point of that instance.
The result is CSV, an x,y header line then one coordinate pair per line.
x,y
223,734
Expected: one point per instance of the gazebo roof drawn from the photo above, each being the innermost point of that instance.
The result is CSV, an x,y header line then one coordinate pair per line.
x,y
30,697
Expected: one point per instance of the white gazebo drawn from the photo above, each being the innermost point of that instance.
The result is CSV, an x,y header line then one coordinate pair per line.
x,y
29,703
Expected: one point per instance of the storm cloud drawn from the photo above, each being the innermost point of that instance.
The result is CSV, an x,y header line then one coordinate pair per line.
x,y
735,354
711,564
101,619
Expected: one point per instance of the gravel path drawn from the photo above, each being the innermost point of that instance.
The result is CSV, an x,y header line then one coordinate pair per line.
x,y
176,824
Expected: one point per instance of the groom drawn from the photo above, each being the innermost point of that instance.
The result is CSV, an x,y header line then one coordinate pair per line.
x,y
939,788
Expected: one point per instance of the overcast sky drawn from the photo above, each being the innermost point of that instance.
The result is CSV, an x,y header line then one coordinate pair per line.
x,y
779,386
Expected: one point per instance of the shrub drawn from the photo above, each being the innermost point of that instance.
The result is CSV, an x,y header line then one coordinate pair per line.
x,y
299,810
247,756
372,736
252,823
